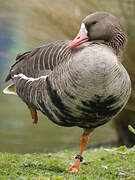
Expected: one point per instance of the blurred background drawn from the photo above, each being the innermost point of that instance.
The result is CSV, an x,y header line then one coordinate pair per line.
x,y
27,24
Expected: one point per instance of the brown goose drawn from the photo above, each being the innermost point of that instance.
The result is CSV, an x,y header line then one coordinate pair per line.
x,y
80,83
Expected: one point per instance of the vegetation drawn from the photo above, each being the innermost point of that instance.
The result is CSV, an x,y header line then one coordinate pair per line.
x,y
31,24
131,129
103,164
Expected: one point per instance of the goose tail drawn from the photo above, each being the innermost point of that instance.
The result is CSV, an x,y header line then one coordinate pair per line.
x,y
10,89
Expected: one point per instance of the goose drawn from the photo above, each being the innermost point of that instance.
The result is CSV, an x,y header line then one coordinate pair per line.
x,y
76,83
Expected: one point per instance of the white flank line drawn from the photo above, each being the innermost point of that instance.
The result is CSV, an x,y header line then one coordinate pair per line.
x,y
30,78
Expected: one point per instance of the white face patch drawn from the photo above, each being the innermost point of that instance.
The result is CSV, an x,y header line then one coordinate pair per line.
x,y
83,28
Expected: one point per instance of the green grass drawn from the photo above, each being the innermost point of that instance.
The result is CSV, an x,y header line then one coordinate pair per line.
x,y
100,163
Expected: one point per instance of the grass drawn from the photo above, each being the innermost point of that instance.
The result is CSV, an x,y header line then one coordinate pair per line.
x,y
103,164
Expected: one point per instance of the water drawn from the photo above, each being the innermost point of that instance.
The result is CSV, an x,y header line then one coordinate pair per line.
x,y
19,135
22,28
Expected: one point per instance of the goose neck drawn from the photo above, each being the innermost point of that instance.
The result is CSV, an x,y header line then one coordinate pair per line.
x,y
118,43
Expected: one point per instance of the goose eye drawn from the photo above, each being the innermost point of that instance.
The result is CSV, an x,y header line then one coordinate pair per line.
x,y
94,22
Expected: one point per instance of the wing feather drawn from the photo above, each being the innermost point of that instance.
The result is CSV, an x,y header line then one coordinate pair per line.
x,y
40,61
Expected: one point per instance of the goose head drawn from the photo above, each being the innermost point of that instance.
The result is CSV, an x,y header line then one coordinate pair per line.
x,y
101,26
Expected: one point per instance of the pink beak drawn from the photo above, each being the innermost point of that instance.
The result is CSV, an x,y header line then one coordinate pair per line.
x,y
80,38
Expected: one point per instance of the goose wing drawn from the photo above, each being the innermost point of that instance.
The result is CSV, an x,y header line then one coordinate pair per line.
x,y
41,61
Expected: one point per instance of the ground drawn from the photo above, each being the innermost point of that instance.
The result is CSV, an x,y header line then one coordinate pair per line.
x,y
103,164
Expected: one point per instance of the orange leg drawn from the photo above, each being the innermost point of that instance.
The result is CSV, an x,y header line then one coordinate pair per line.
x,y
34,116
84,142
